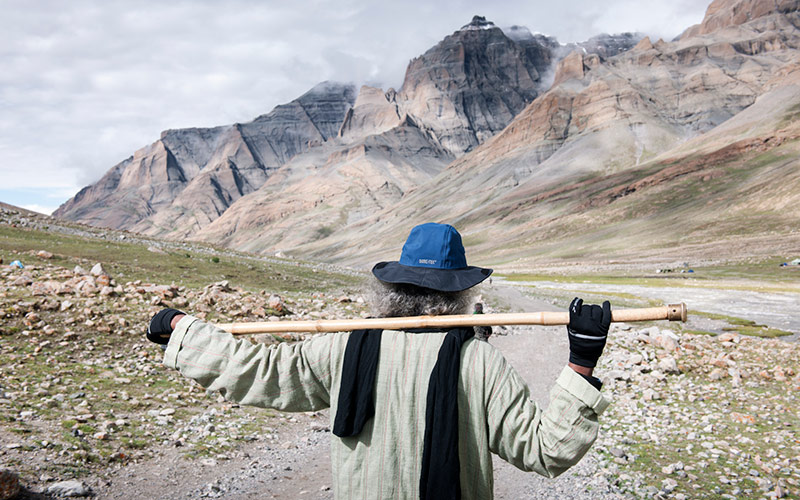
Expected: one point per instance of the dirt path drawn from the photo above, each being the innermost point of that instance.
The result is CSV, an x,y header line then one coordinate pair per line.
x,y
539,354
298,466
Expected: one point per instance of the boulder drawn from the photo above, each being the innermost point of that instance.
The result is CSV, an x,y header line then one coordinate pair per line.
x,y
97,270
69,489
49,287
729,337
275,303
667,340
716,374
669,365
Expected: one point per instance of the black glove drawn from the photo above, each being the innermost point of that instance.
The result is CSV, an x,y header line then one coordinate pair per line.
x,y
160,327
588,330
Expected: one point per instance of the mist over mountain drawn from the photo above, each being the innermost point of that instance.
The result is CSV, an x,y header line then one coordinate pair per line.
x,y
517,139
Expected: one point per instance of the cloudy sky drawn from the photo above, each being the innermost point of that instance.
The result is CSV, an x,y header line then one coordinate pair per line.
x,y
84,83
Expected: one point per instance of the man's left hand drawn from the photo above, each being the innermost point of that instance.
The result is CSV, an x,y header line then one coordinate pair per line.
x,y
588,331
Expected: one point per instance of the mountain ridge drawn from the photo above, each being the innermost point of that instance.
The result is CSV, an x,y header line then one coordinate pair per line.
x,y
457,144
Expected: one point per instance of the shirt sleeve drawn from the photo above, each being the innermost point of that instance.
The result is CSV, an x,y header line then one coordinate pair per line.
x,y
288,377
547,442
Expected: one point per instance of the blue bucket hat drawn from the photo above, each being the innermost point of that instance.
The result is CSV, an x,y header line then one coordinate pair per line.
x,y
433,257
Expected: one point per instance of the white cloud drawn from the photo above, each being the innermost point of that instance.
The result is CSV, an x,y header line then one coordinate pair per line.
x,y
47,210
86,83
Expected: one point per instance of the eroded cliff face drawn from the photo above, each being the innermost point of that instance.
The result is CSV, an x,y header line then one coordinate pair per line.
x,y
604,118
469,86
330,187
455,96
616,113
190,176
486,123
727,13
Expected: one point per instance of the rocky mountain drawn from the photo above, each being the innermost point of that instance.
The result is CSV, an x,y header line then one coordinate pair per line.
x,y
190,176
470,85
454,97
665,135
728,13
499,131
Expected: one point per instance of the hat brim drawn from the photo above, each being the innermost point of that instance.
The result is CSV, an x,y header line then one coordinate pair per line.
x,y
442,280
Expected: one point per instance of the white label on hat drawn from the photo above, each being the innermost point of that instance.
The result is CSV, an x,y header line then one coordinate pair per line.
x,y
430,262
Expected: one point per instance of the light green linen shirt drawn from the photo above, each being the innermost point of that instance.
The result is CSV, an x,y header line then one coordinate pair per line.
x,y
495,411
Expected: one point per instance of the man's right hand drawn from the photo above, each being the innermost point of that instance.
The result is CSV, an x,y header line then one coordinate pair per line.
x,y
588,331
161,326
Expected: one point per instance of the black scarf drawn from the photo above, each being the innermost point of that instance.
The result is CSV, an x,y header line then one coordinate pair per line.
x,y
356,404
439,477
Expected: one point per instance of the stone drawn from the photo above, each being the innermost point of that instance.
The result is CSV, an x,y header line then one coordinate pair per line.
x,y
669,365
729,337
616,452
97,270
618,375
44,254
667,341
652,331
650,395
86,288
9,484
49,287
72,488
716,374
275,303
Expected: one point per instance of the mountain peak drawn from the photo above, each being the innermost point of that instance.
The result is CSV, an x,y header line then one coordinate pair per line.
x,y
724,13
478,23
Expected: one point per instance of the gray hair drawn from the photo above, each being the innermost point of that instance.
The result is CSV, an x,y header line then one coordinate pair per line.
x,y
400,299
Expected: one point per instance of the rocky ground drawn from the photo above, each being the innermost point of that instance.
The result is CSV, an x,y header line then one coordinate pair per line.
x,y
83,394
86,408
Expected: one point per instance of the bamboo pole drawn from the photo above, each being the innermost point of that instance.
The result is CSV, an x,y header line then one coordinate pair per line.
x,y
673,312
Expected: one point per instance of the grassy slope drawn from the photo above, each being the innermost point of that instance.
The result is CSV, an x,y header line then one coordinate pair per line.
x,y
669,209
190,265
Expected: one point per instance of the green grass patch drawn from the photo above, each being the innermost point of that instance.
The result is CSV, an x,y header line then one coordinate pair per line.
x,y
134,443
744,326
129,261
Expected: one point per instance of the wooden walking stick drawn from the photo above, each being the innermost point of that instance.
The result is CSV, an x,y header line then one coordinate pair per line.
x,y
673,312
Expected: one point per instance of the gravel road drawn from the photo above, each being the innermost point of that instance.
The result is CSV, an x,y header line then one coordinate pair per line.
x,y
539,354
